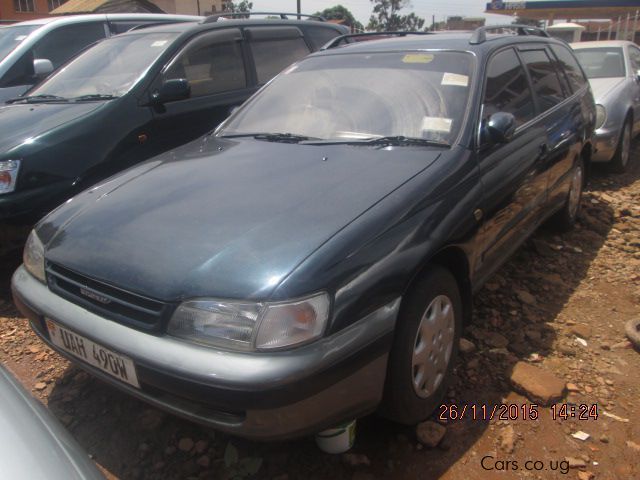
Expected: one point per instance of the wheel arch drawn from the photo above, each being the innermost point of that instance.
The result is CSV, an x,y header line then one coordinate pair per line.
x,y
455,260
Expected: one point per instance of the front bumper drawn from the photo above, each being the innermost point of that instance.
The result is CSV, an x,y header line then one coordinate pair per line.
x,y
606,142
28,206
265,396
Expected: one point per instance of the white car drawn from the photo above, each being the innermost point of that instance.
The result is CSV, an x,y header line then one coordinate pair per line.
x,y
613,70
29,51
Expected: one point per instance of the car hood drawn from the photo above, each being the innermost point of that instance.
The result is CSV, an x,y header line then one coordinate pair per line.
x,y
20,122
602,87
230,223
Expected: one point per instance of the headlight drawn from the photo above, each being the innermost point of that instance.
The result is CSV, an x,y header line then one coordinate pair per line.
x,y
249,326
601,116
33,256
8,175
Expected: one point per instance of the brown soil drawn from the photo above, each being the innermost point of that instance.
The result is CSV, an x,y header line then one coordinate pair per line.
x,y
560,304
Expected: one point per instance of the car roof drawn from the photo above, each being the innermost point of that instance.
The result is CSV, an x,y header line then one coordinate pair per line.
x,y
441,41
201,26
601,44
69,19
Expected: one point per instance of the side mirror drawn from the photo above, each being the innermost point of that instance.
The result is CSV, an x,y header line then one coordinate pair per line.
x,y
500,127
172,90
42,67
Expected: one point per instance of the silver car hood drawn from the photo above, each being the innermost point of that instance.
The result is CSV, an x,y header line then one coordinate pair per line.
x,y
602,87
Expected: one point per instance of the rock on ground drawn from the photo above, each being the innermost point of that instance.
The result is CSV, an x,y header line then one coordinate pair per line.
x,y
430,433
538,385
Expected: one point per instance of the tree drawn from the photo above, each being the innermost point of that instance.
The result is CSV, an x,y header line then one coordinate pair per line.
x,y
338,12
243,6
386,17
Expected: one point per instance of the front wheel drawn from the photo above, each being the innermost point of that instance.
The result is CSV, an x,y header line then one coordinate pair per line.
x,y
620,159
566,217
424,349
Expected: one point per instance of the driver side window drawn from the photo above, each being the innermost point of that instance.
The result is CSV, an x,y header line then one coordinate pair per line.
x,y
212,63
507,89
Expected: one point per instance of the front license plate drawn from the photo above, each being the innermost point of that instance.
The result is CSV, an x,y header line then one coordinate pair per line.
x,y
94,354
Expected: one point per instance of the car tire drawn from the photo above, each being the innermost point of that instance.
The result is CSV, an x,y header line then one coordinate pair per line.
x,y
565,219
425,348
620,160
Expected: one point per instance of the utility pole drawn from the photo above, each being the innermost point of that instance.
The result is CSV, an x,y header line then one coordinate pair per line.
x,y
433,22
299,11
635,25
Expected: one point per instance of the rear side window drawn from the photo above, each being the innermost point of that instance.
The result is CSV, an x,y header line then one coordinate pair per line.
x,y
544,78
571,67
212,63
319,36
507,89
274,49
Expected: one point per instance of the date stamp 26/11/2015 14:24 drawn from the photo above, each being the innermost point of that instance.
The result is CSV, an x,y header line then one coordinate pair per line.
x,y
525,411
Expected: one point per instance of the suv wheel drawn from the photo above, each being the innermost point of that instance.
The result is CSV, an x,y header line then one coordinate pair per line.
x,y
424,349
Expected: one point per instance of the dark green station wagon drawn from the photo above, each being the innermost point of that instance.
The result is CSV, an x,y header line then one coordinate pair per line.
x,y
133,96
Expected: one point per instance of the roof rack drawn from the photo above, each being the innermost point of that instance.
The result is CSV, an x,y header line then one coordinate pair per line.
x,y
479,35
283,16
346,38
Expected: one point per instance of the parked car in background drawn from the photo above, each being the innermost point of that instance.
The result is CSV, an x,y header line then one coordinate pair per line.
x,y
613,70
134,96
29,51
34,444
314,259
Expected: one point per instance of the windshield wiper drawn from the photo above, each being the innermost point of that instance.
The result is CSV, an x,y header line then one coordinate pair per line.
x,y
38,99
271,137
94,96
395,140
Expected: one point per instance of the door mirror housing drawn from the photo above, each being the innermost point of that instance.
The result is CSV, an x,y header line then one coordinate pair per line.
x,y
42,67
500,127
172,90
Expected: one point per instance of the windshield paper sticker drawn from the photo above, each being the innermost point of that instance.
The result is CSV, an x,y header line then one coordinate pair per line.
x,y
455,79
437,124
417,58
158,43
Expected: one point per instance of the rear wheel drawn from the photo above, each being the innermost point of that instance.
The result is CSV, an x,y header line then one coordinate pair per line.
x,y
566,217
620,159
425,348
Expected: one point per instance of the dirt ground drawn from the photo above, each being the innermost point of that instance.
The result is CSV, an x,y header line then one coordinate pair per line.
x,y
559,305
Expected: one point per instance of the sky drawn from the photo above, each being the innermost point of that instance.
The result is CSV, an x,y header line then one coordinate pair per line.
x,y
362,9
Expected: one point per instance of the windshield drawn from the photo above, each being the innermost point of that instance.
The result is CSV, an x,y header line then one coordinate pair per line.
x,y
10,37
363,96
601,62
110,68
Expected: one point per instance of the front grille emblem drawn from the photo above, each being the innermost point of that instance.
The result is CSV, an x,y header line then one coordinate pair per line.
x,y
95,296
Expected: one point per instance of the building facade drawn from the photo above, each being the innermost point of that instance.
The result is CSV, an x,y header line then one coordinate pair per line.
x,y
21,10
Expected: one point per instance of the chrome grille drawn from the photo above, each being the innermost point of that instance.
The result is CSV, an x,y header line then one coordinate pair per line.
x,y
106,300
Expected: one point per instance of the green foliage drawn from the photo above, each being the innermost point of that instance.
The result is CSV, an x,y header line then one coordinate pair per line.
x,y
338,12
243,6
386,17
